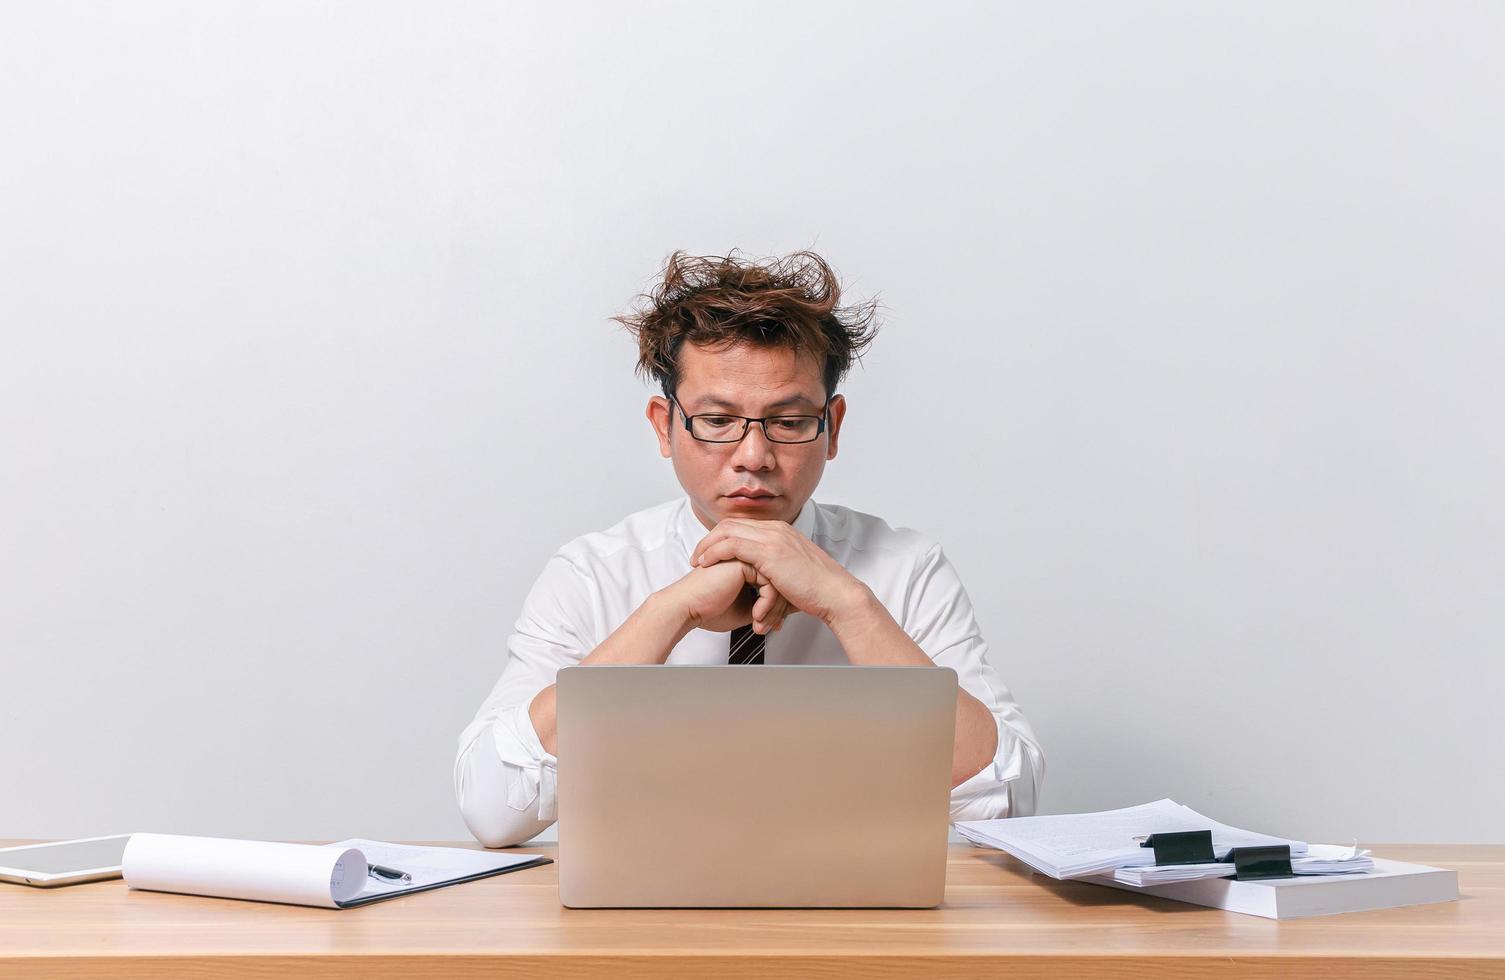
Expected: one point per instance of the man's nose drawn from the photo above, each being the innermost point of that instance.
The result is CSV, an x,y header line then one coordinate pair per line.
x,y
755,451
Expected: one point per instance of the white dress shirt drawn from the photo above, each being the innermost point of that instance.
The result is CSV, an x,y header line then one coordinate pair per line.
x,y
505,779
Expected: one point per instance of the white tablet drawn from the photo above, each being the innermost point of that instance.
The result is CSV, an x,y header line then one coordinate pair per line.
x,y
63,862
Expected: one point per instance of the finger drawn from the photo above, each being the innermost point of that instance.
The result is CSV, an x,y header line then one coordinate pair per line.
x,y
721,531
704,543
780,610
733,547
732,527
774,608
773,617
768,598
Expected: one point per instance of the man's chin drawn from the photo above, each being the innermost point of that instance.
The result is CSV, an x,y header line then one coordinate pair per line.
x,y
755,508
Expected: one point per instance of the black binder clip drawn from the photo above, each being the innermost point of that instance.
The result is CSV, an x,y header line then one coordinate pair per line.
x,y
1254,863
1182,847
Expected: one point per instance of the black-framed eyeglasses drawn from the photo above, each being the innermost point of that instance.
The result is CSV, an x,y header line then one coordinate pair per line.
x,y
721,427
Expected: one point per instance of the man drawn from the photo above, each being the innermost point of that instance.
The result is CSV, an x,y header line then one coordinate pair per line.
x,y
746,568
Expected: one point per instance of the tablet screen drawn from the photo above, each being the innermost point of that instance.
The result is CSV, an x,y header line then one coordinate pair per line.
x,y
66,856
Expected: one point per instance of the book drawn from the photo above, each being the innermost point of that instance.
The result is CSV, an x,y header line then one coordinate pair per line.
x,y
336,876
1390,885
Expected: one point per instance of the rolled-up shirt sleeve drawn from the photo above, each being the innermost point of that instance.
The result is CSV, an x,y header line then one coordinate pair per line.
x,y
505,780
938,616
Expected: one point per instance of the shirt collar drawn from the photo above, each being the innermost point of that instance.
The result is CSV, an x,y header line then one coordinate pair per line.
x,y
691,530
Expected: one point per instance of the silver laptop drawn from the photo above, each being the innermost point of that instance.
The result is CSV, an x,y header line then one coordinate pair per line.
x,y
754,786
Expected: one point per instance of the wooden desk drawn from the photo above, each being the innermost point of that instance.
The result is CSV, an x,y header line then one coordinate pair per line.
x,y
997,921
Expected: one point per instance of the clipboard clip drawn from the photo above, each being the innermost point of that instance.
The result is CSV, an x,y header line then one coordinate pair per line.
x,y
1255,863
1195,847
1181,847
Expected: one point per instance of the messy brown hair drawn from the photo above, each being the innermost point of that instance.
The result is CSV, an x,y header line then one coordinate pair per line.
x,y
721,300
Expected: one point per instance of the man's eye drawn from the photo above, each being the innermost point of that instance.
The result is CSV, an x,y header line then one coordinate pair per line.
x,y
717,419
789,423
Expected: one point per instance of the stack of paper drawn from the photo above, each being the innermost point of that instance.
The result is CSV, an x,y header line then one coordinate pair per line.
x,y
1103,849
1391,884
1075,845
1321,859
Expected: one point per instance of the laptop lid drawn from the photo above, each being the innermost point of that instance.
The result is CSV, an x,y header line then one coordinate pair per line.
x,y
754,786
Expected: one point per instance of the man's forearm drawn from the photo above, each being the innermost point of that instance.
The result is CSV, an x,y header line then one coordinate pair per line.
x,y
871,637
645,637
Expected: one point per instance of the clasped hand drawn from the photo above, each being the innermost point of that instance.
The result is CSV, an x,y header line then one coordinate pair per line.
x,y
759,572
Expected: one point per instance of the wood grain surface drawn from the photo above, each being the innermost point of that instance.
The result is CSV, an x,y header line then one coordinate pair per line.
x,y
998,920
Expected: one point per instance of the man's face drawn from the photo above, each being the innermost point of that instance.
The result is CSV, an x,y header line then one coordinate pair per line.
x,y
754,478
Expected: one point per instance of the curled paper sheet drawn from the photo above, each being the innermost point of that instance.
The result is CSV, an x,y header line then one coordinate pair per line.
x,y
262,871
1336,852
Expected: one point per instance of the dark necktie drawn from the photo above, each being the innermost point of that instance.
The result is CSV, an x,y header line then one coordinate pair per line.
x,y
747,646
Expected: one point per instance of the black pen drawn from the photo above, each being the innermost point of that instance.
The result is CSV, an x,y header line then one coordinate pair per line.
x,y
388,874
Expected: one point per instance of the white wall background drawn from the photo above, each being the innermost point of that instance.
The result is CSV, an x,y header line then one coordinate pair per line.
x,y
1195,329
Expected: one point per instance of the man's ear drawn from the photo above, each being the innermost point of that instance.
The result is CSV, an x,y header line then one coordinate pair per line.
x,y
660,415
837,410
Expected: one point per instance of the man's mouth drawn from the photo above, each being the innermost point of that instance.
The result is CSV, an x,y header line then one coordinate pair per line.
x,y
751,496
